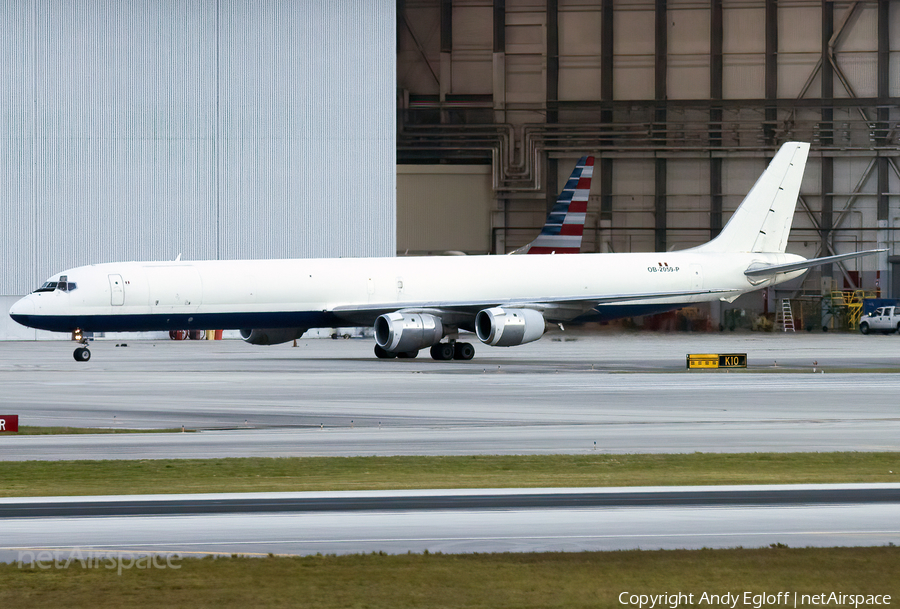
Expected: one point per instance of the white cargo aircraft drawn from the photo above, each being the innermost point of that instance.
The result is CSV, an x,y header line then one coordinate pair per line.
x,y
415,302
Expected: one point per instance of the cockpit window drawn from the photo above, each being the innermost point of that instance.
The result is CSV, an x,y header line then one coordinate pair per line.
x,y
64,286
48,286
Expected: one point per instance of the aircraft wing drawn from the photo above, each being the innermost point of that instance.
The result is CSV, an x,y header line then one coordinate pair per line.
x,y
759,269
555,308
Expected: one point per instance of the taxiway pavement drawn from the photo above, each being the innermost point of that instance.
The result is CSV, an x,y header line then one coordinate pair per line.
x,y
567,393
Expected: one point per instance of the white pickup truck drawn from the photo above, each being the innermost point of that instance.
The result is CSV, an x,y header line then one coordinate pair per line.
x,y
882,319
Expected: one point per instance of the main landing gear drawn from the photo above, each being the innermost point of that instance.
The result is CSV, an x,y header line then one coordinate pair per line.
x,y
452,350
82,354
381,353
439,351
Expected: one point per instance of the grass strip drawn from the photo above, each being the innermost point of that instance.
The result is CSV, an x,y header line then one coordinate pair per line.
x,y
45,478
496,581
31,430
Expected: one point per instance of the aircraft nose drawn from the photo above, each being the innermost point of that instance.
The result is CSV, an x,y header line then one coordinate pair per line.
x,y
21,310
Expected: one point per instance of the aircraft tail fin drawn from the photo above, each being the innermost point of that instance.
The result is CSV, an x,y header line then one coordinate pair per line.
x,y
762,222
564,228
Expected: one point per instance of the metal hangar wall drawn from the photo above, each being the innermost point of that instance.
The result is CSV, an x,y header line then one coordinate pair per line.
x,y
214,128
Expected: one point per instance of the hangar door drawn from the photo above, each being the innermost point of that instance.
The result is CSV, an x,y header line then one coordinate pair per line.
x,y
444,208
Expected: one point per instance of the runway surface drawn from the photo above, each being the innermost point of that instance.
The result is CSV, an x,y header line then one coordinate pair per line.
x,y
567,393
440,499
488,520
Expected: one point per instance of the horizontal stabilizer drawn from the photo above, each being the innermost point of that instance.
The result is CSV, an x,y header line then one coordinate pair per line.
x,y
761,270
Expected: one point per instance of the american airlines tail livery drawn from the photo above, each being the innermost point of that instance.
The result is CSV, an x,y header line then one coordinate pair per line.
x,y
415,303
564,228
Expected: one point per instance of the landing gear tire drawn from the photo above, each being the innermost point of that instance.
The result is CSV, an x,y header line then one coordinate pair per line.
x,y
463,351
82,354
382,354
407,354
442,351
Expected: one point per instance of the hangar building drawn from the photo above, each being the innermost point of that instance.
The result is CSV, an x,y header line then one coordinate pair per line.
x,y
683,102
237,129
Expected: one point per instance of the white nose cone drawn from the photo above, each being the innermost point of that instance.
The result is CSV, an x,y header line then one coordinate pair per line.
x,y
21,310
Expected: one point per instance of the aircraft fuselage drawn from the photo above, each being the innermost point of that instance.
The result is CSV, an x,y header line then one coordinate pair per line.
x,y
147,296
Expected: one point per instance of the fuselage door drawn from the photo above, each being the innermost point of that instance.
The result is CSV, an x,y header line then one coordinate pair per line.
x,y
116,290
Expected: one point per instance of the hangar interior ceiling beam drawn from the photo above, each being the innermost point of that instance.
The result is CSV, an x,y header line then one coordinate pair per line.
x,y
401,14
771,70
827,170
552,94
498,61
660,69
607,53
883,68
716,41
684,132
446,81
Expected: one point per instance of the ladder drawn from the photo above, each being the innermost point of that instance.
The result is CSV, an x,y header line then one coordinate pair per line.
x,y
787,315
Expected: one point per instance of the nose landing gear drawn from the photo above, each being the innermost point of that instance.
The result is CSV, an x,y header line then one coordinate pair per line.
x,y
82,354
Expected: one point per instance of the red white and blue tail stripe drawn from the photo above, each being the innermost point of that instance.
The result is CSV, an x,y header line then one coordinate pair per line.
x,y
564,227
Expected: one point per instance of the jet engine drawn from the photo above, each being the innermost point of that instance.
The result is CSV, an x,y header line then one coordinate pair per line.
x,y
500,327
400,332
271,336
